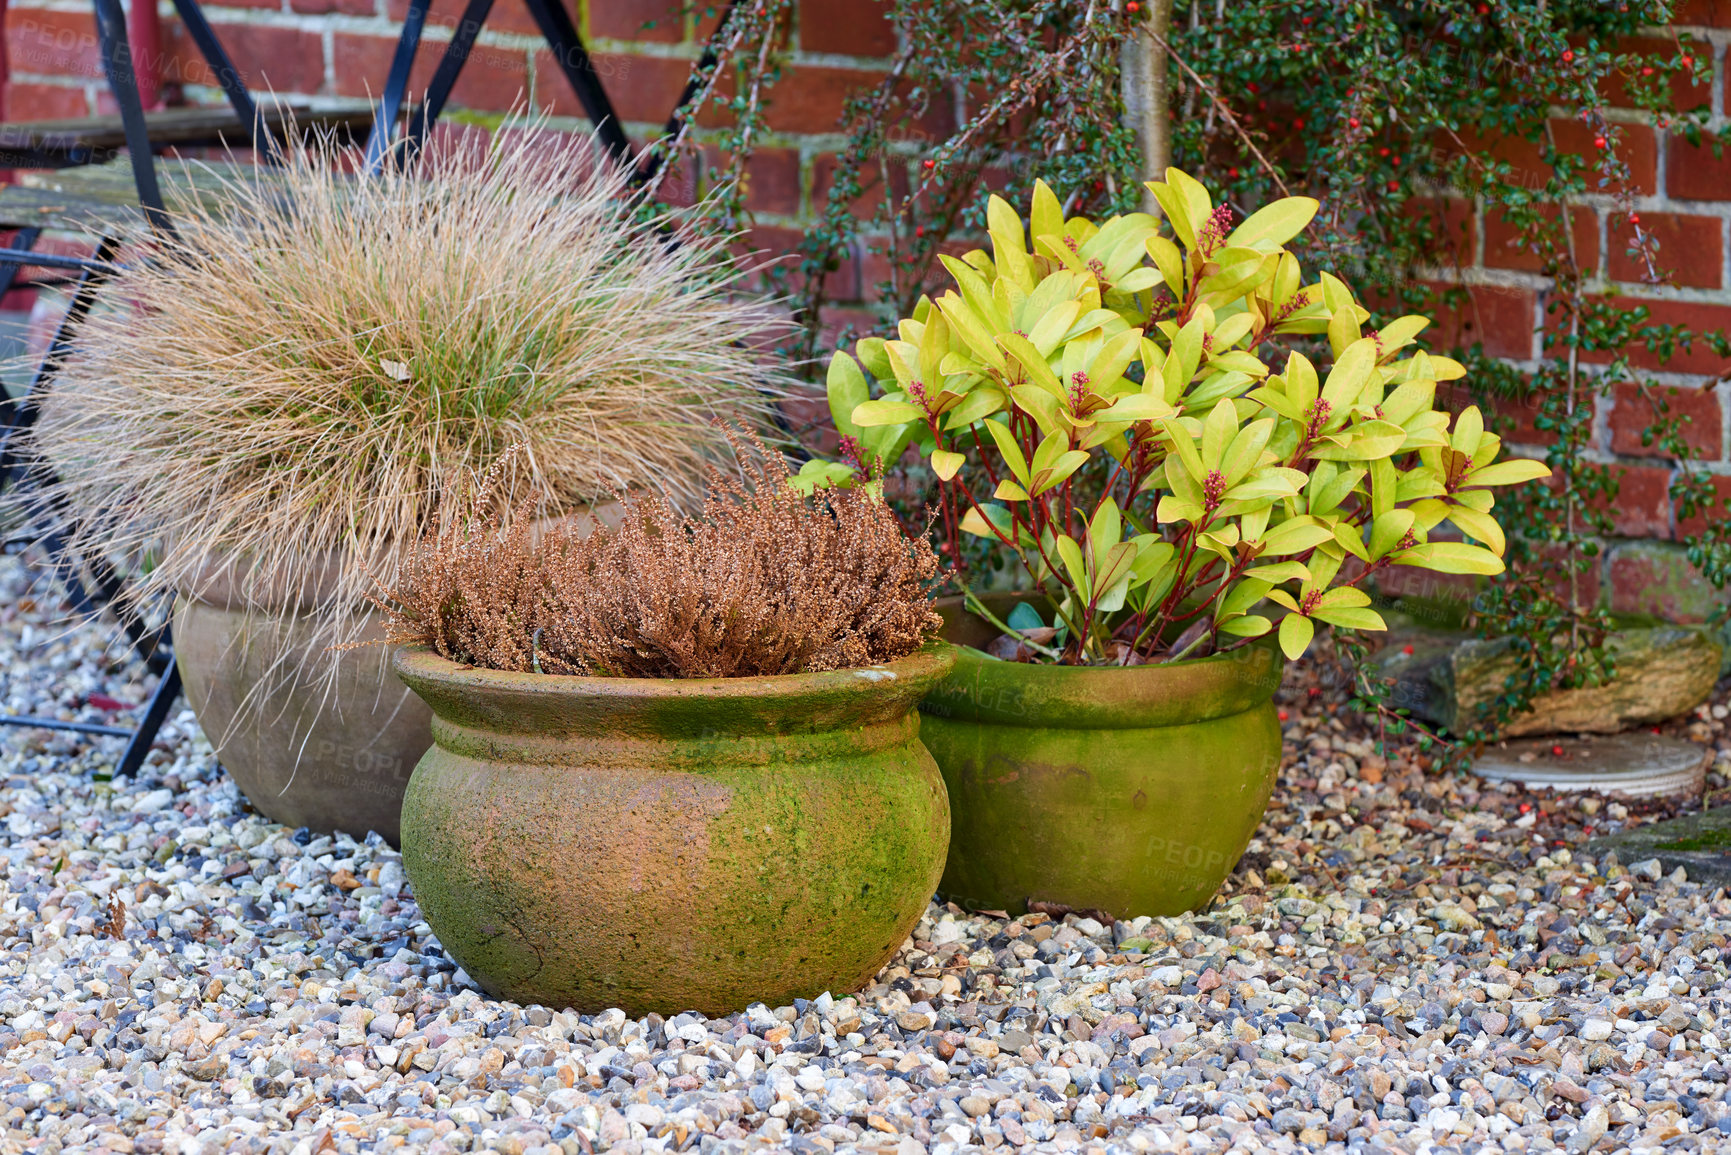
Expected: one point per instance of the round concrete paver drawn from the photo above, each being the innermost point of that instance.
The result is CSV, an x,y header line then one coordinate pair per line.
x,y
1637,765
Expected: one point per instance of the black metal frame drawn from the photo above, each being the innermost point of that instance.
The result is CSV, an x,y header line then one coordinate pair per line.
x,y
19,471
154,646
562,39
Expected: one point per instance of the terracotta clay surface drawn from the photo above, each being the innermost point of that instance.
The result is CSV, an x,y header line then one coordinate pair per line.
x,y
331,757
1131,790
669,845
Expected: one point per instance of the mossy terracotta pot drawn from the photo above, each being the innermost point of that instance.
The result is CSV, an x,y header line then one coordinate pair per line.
x,y
671,845
1130,790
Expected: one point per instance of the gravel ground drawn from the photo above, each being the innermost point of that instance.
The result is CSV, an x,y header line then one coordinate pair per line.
x,y
1403,962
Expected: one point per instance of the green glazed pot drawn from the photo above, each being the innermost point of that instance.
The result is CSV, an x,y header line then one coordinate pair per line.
x,y
1130,790
672,845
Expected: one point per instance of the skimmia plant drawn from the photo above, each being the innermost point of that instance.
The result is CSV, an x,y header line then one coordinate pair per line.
x,y
1175,434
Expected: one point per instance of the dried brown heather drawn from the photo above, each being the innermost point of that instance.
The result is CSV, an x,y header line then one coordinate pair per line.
x,y
761,581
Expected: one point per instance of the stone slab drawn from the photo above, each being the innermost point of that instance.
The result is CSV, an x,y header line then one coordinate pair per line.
x,y
1449,678
1699,843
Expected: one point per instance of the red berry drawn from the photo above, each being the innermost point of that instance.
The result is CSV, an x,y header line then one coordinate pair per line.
x,y
1557,751
1132,7
929,163
1688,62
1526,807
919,230
1394,186
1284,716
1406,649
1382,152
1353,121
1568,56
1634,218
1297,122
1304,20
1647,70
1598,142
1395,161
1656,730
1252,86
1233,173
1484,9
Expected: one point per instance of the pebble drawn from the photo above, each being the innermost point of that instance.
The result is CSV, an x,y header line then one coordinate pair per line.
x,y
1401,962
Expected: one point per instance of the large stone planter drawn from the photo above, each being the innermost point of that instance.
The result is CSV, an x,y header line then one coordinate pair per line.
x,y
330,755
1130,790
673,845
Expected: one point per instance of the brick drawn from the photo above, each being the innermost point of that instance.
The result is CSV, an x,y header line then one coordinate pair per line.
x,y
361,65
681,181
1716,511
1632,412
506,16
1506,247
26,101
1497,316
774,247
656,20
1508,416
811,99
493,80
772,181
336,7
1643,504
270,59
40,42
1655,578
871,195
1449,227
1689,89
1703,14
1691,249
644,89
853,27
1698,318
1636,147
1695,173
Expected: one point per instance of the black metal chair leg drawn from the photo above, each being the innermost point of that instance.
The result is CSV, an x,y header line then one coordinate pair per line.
x,y
117,62
161,701
450,68
228,76
396,85
573,58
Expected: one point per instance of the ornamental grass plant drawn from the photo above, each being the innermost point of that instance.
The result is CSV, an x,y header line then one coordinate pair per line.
x,y
761,580
279,397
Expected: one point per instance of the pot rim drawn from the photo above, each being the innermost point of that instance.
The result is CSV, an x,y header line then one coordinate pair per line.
x,y
986,689
931,662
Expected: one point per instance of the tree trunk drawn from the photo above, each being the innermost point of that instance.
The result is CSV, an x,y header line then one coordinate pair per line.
x,y
1147,108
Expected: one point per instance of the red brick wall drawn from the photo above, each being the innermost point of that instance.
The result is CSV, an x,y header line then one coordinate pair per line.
x,y
340,50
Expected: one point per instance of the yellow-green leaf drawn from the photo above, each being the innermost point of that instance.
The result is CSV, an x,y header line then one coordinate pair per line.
x,y
886,412
1271,226
1296,630
946,462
